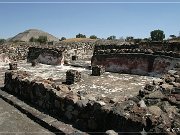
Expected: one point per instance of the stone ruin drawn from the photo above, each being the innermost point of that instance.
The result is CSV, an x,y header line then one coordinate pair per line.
x,y
51,56
12,66
19,50
72,76
136,59
98,70
156,109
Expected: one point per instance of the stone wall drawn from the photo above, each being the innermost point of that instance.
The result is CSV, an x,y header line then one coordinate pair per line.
x,y
153,45
84,50
51,56
136,58
59,101
135,48
135,63
161,46
19,51
146,112
15,52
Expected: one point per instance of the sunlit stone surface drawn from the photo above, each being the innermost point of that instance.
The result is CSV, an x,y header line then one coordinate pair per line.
x,y
113,85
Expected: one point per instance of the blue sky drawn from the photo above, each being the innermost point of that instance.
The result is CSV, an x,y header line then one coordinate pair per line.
x,y
103,19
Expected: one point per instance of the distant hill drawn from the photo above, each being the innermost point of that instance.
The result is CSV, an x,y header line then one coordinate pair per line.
x,y
26,35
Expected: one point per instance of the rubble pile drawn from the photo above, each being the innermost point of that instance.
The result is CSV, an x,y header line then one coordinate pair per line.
x,y
161,99
15,52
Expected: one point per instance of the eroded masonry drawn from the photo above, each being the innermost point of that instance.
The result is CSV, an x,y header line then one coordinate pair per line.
x,y
92,98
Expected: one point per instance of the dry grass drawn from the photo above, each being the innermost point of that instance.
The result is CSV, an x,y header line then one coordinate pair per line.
x,y
79,40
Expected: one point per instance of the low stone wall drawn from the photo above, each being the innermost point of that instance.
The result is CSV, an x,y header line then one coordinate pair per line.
x,y
135,63
161,46
118,49
143,45
98,116
51,56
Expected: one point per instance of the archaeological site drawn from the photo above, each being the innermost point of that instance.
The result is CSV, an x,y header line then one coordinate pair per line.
x,y
94,86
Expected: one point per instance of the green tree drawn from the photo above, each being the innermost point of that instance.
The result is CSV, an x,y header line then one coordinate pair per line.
x,y
130,38
93,37
80,36
172,36
32,39
63,38
2,41
111,37
42,39
157,35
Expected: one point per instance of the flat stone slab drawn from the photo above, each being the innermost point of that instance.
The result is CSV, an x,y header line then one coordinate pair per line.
x,y
14,122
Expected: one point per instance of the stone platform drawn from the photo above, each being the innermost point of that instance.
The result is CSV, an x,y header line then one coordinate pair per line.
x,y
112,85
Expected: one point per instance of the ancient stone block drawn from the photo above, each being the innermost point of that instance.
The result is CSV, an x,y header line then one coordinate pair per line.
x,y
46,55
169,79
166,88
62,88
12,66
73,76
72,98
98,70
157,81
155,110
155,95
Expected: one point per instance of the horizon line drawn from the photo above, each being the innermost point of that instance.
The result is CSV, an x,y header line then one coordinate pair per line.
x,y
56,2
